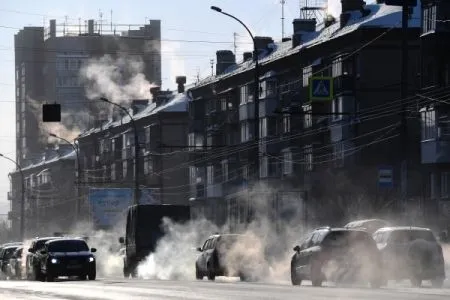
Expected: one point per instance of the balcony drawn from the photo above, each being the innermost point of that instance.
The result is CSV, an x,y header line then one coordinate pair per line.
x,y
247,111
268,107
344,84
232,116
214,191
435,151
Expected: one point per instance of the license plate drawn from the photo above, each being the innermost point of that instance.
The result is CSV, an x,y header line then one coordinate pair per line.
x,y
74,267
73,262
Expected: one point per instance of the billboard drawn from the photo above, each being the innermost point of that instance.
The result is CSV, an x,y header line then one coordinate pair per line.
x,y
109,205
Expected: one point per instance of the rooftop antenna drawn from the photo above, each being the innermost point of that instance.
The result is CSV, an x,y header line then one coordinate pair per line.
x,y
198,75
283,2
234,42
101,21
79,26
65,24
312,9
111,20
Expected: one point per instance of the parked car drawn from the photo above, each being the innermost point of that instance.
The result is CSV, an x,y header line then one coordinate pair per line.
x,y
5,255
336,255
15,264
411,253
67,257
369,225
32,268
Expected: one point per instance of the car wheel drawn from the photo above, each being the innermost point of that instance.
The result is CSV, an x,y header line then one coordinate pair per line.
x,y
295,279
198,274
437,282
211,275
92,275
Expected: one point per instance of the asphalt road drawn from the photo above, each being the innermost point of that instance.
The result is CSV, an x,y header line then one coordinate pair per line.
x,y
221,289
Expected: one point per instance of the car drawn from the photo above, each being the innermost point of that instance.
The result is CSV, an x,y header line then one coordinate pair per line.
x,y
15,264
67,257
5,255
411,253
369,225
32,268
337,255
230,255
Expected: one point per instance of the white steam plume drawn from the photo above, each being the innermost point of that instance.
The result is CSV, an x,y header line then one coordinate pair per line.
x,y
119,79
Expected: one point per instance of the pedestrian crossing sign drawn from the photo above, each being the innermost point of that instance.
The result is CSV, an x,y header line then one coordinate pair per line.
x,y
320,89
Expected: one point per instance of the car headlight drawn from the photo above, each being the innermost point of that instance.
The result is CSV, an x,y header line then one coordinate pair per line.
x,y
54,261
91,259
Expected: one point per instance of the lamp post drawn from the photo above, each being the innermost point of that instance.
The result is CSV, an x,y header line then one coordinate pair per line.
x,y
256,79
22,202
136,149
78,202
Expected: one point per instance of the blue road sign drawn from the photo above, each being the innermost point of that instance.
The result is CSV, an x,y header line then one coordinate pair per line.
x,y
321,88
385,177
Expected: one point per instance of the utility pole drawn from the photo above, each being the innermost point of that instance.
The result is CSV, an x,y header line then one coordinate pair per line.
x,y
404,94
283,2
234,42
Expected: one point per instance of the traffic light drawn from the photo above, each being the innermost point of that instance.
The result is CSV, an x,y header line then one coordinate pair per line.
x,y
51,112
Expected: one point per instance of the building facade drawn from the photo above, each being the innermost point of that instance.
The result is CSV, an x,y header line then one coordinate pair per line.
x,y
328,122
435,95
48,65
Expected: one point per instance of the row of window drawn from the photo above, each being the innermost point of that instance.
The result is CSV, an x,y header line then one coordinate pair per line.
x,y
442,185
435,124
429,18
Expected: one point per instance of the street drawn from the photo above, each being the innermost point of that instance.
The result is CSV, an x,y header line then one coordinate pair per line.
x,y
221,289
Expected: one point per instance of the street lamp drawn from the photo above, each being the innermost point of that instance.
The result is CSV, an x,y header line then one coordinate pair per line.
x,y
256,92
22,202
136,149
77,202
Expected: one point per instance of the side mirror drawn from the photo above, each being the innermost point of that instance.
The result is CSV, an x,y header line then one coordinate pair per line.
x,y
297,248
121,240
199,249
93,250
30,250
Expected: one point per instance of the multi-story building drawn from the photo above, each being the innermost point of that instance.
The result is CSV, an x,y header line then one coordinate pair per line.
x,y
50,192
435,117
48,63
107,152
324,158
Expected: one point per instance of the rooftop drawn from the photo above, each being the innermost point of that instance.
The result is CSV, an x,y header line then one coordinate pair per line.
x,y
380,16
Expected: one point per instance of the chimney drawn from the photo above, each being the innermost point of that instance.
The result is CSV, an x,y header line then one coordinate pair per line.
x,y
90,27
52,28
225,59
301,26
181,81
262,42
247,56
345,16
155,91
350,5
138,105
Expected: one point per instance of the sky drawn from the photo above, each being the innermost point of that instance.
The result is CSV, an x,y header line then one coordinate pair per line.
x,y
188,22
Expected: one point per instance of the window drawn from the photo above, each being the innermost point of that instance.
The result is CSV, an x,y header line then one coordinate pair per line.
x,y
432,186
223,104
337,108
307,119
445,182
246,131
443,125
307,73
286,123
113,171
195,140
428,124
336,69
263,127
308,152
287,163
263,167
210,175
225,170
246,172
148,165
429,18
246,92
192,175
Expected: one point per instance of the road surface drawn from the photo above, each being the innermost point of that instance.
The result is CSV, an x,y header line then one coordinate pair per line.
x,y
153,289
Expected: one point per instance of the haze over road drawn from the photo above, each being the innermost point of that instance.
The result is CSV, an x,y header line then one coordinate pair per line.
x,y
152,289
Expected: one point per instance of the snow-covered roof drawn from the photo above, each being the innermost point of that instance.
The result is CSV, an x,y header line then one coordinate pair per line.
x,y
62,155
177,103
380,16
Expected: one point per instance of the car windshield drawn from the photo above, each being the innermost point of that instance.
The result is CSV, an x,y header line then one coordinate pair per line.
x,y
405,236
68,246
344,238
40,243
8,252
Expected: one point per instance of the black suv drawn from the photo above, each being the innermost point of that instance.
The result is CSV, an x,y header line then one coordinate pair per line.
x,y
32,267
67,257
230,255
336,255
411,253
